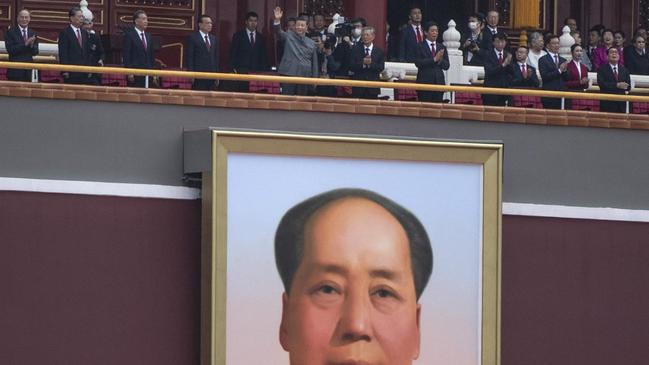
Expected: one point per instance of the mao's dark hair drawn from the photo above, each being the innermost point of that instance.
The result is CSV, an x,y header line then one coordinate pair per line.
x,y
289,238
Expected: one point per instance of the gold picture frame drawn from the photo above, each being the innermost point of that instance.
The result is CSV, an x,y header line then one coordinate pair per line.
x,y
488,157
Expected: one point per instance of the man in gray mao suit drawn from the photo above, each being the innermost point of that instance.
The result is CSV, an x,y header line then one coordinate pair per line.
x,y
300,54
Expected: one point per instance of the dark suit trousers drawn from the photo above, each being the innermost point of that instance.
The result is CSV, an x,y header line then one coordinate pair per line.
x,y
430,96
555,103
612,106
76,78
365,92
138,81
19,75
496,100
203,84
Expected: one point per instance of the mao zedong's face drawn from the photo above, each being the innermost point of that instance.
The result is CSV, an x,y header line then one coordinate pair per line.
x,y
352,300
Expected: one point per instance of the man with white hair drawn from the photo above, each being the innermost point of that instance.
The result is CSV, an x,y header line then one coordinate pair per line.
x,y
21,46
367,63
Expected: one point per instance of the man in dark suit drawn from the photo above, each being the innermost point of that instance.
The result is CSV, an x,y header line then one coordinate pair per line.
x,y
431,62
613,78
96,57
411,36
22,46
202,53
498,70
554,73
524,75
367,63
636,59
74,48
138,50
490,31
248,50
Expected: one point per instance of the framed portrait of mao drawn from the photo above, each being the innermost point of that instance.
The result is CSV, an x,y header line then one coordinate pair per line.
x,y
350,250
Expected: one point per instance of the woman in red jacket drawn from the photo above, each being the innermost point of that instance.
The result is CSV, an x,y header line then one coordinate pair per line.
x,y
577,71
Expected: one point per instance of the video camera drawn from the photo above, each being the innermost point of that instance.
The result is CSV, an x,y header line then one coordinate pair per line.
x,y
344,30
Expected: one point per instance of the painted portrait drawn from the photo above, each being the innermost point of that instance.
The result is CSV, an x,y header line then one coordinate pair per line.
x,y
350,257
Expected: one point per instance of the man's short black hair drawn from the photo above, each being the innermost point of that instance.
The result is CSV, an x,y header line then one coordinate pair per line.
x,y
549,37
289,238
572,48
291,19
360,20
73,11
523,47
137,14
200,18
478,16
251,14
501,36
608,51
429,24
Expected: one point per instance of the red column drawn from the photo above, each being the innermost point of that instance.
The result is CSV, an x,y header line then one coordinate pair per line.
x,y
375,11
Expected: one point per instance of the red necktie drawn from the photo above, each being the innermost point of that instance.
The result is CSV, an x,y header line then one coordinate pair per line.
x,y
433,50
419,36
524,70
143,40
500,57
79,38
615,73
207,43
25,35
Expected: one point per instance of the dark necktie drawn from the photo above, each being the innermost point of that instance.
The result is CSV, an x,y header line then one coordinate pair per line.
x,y
433,49
419,37
500,57
524,70
615,73
556,60
252,38
25,35
79,38
207,43
143,40
367,51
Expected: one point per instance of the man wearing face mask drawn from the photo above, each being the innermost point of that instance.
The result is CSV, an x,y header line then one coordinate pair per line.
x,y
473,40
300,54
359,24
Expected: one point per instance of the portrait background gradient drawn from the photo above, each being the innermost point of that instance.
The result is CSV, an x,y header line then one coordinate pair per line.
x,y
445,197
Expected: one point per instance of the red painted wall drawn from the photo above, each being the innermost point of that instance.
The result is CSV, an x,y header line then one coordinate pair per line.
x,y
575,292
98,280
109,280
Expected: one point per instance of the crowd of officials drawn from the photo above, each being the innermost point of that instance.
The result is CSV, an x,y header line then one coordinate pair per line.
x,y
308,47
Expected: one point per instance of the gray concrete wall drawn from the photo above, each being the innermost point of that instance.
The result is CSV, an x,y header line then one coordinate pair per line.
x,y
143,143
